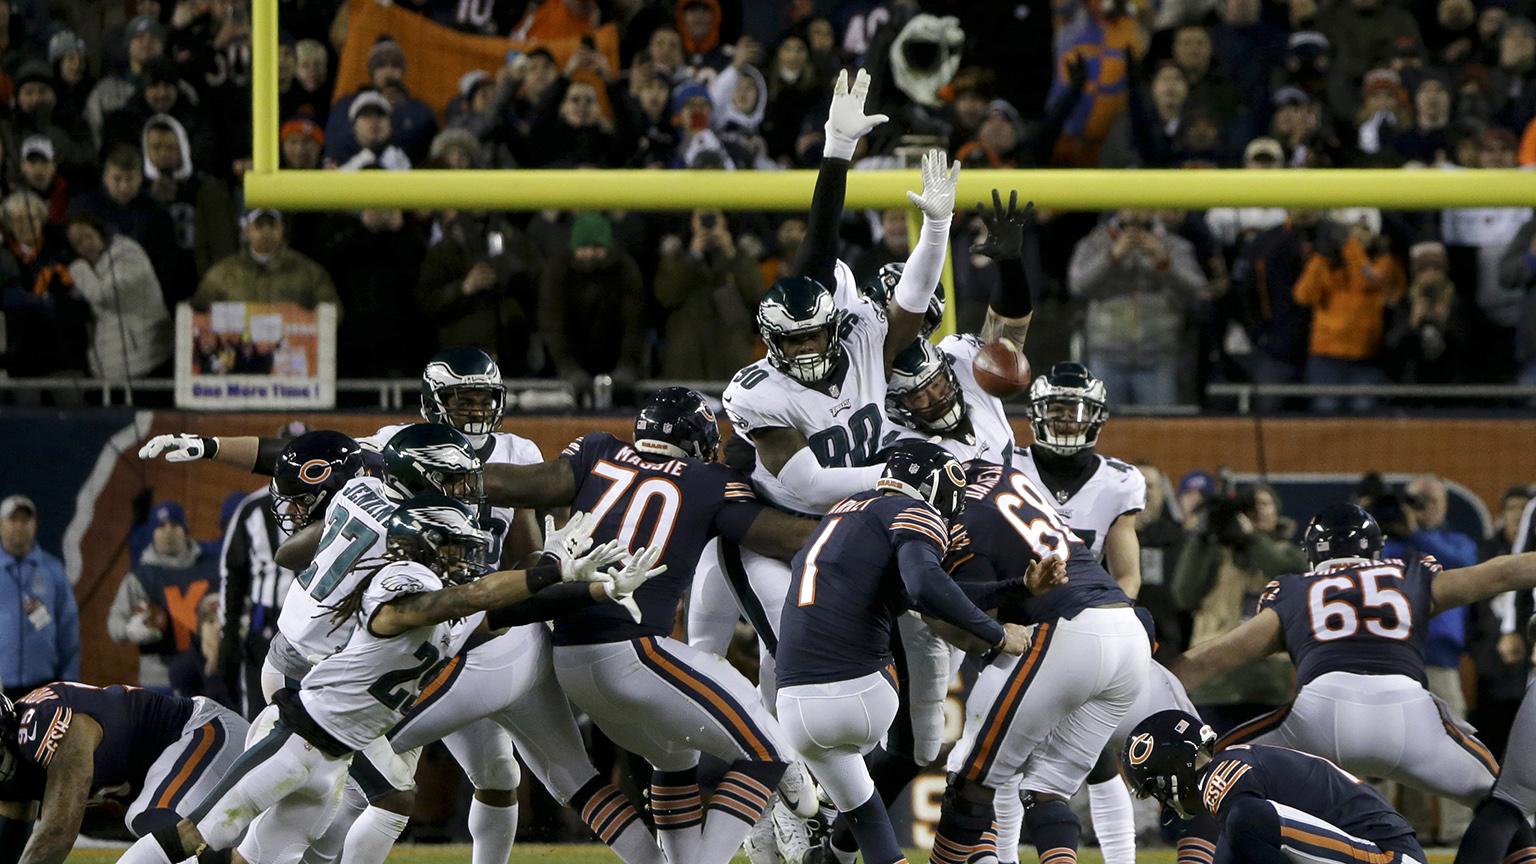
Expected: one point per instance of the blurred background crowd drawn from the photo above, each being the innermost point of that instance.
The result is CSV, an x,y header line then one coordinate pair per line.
x,y
126,129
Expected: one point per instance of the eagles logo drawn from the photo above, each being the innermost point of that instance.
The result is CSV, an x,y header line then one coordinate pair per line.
x,y
315,471
1140,749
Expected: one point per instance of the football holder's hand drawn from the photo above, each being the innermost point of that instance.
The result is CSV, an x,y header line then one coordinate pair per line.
x,y
1046,574
846,121
1016,639
181,447
938,198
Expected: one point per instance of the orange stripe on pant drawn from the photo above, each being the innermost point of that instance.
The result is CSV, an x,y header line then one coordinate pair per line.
x,y
1005,709
1473,746
442,678
1336,845
205,736
758,746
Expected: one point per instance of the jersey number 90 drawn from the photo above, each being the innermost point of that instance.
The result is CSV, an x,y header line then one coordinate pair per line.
x,y
853,447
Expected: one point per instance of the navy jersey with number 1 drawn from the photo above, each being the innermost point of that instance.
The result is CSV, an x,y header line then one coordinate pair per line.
x,y
873,557
646,500
1368,617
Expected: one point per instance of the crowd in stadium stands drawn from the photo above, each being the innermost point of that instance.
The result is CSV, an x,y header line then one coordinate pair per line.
x,y
126,129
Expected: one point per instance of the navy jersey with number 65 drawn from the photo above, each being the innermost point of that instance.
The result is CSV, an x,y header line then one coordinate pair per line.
x,y
873,557
645,500
1369,618
1009,524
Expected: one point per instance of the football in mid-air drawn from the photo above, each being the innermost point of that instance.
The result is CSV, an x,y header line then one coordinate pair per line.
x,y
1001,370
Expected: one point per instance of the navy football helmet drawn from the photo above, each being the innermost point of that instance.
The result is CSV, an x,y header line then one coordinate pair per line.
x,y
927,472
312,468
1341,531
1162,759
677,422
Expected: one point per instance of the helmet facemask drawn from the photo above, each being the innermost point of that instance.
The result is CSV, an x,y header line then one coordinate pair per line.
x,y
466,486
931,402
1066,423
293,512
474,409
943,487
810,365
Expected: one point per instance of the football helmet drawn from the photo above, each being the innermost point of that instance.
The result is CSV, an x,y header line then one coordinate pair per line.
x,y
924,392
311,468
1162,759
677,422
881,287
462,387
433,457
1067,409
1341,531
799,306
927,472
439,533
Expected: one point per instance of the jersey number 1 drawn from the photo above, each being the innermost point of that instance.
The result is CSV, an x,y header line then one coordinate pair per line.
x,y
808,571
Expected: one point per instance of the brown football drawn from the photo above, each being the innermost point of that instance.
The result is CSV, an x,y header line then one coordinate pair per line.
x,y
1000,370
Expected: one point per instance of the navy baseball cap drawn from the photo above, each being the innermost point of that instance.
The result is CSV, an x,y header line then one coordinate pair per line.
x,y
168,511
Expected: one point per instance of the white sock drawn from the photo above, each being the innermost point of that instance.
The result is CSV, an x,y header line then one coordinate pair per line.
x,y
372,836
146,850
1008,815
493,830
1114,820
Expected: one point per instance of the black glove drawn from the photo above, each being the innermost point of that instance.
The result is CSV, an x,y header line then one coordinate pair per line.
x,y
1005,228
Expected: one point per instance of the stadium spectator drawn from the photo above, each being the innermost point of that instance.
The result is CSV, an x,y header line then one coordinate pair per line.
x,y
794,92
375,259
158,605
1483,234
1449,36
1497,647
1363,34
1513,94
39,173
303,81
664,53
740,98
644,122
1427,342
1295,123
590,307
710,289
479,285
455,149
1427,140
371,134
1139,281
1517,274
1237,546
35,113
570,129
1384,109
1108,37
72,76
1209,87
1161,539
131,334
411,122
122,202
1247,48
1348,289
1233,228
146,40
890,245
303,142
1146,135
46,318
200,207
551,20
266,271
698,21
43,644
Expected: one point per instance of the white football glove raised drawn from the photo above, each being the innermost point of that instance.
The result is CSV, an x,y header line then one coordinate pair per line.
x,y
181,447
626,580
846,121
938,199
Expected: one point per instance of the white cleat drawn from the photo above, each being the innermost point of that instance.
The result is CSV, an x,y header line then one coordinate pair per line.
x,y
791,833
798,791
760,845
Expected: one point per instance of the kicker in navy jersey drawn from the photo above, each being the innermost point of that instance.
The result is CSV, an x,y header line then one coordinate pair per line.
x,y
640,499
850,585
1365,617
1007,519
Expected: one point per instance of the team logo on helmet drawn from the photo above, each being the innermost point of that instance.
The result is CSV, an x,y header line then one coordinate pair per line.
x,y
1140,749
315,471
956,473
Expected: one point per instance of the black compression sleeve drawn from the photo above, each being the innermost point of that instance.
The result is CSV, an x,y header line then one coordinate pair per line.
x,y
541,577
266,455
14,834
990,595
550,603
817,257
1011,296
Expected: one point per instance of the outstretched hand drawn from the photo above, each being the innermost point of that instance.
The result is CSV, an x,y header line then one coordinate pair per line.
x,y
1005,227
938,198
846,120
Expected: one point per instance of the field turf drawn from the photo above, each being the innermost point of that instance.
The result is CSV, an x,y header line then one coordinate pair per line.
x,y
575,854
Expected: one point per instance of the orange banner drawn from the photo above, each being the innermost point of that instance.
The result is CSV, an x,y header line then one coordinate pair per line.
x,y
436,56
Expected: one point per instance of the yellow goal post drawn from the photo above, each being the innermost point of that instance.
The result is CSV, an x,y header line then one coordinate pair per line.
x,y
268,186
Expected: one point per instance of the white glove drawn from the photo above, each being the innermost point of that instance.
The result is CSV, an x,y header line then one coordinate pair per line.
x,y
938,199
570,546
181,447
625,581
846,122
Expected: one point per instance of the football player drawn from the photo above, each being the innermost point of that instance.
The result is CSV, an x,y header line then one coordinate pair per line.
x,y
652,695
1501,828
65,745
405,618
1354,626
1041,723
1267,805
875,555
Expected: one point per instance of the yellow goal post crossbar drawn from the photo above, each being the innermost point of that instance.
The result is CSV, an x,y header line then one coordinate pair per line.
x,y
1191,189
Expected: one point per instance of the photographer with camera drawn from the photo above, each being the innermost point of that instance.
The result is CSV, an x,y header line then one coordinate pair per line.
x,y
1239,543
479,285
711,288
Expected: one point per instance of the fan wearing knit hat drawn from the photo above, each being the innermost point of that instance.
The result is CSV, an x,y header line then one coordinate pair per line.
x,y
412,123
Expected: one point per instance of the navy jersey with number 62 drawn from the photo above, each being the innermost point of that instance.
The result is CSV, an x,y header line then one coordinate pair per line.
x,y
846,588
1009,524
645,500
1369,618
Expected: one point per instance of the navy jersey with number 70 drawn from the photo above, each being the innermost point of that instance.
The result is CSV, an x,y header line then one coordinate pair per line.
x,y
1368,617
645,500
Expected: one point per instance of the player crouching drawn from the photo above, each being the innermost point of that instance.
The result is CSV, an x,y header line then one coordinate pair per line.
x,y
415,611
1267,805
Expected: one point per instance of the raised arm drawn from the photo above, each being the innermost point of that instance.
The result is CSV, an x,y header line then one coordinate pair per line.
x,y
1013,243
1255,638
541,484
247,452
1466,585
926,262
846,124
69,786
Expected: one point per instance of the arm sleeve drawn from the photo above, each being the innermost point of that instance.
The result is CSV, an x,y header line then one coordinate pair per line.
x,y
1013,294
817,257
933,593
552,602
267,452
924,266
990,595
822,487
